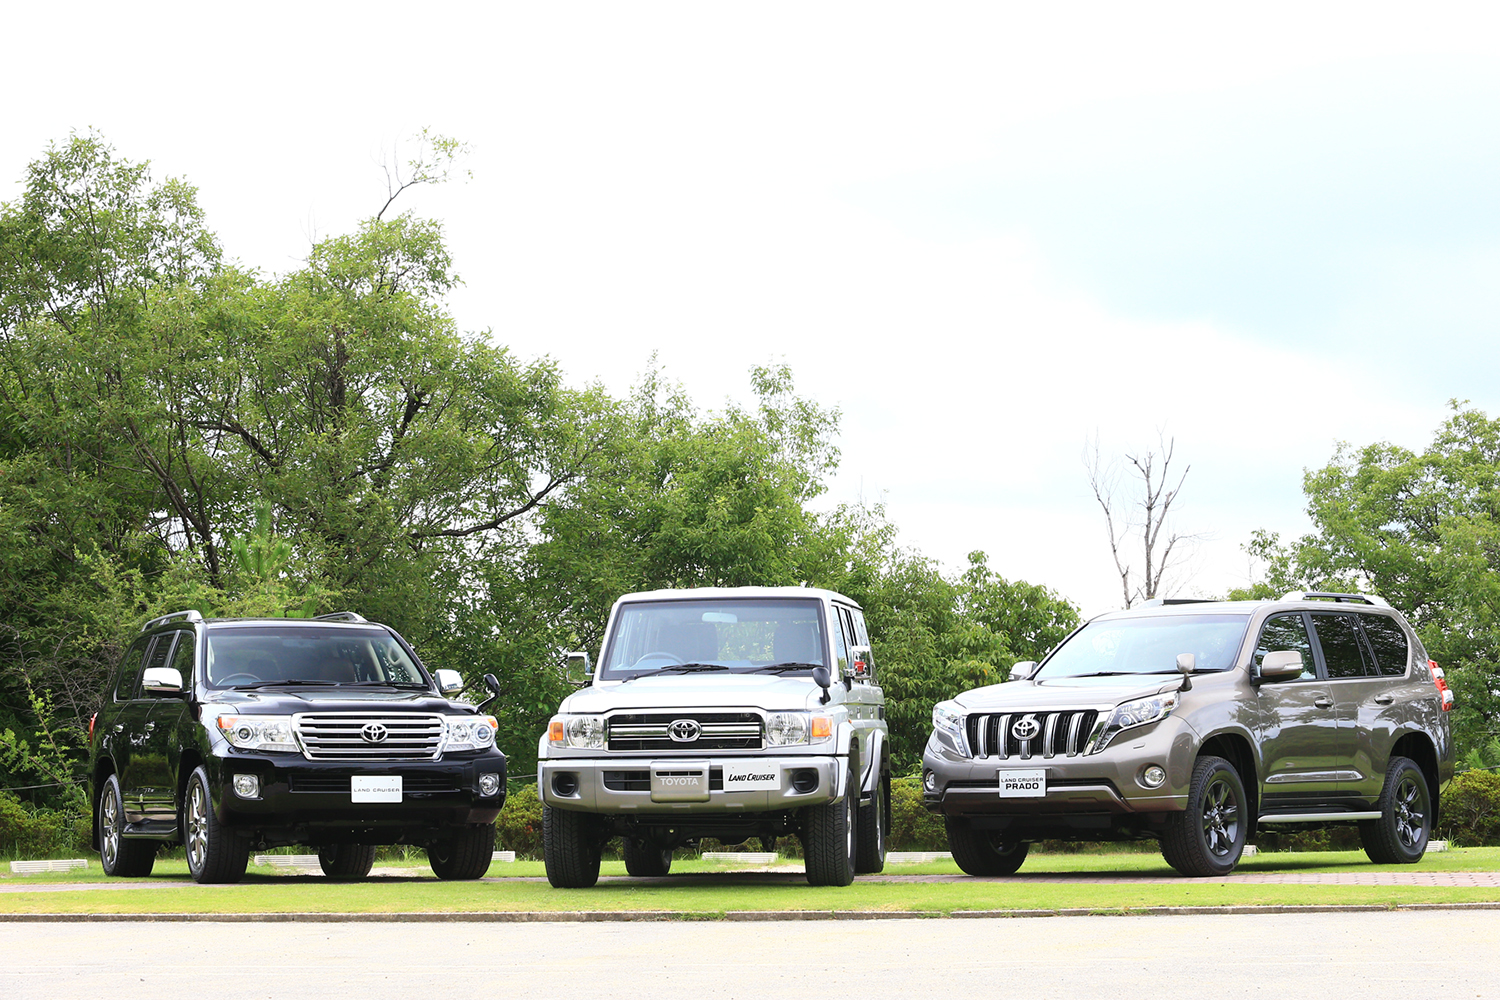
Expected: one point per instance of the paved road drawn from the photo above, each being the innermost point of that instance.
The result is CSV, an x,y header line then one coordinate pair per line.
x,y
1372,956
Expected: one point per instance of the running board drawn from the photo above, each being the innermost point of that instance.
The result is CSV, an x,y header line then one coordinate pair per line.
x,y
1317,817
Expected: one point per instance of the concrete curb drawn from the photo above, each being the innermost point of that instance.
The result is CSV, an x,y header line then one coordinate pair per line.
x,y
618,916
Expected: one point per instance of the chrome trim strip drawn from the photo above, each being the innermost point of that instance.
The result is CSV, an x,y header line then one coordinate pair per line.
x,y
1318,817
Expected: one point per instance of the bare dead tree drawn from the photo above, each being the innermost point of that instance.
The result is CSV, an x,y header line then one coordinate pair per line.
x,y
1141,515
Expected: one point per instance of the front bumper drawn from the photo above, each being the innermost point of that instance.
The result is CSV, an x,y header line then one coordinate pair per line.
x,y
299,797
1106,784
622,785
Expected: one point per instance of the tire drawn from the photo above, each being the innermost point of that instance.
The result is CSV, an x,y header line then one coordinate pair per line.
x,y
346,861
464,854
645,860
1208,837
1399,836
215,853
571,846
121,856
869,854
828,839
984,852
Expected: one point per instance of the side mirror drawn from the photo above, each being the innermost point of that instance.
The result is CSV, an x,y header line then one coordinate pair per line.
x,y
823,679
1283,664
577,670
862,664
449,681
161,680
1186,663
1023,670
494,689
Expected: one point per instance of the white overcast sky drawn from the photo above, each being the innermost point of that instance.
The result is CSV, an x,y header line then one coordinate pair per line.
x,y
987,233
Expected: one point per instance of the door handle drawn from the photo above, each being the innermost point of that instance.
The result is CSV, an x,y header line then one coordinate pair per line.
x,y
1384,699
1323,702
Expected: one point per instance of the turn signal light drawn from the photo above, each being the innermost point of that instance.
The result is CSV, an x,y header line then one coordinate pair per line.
x,y
822,727
555,731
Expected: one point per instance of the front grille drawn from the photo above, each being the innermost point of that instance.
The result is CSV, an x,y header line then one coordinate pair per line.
x,y
717,731
338,784
1057,734
345,736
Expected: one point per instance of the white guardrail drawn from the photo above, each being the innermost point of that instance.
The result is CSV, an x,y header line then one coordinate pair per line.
x,y
743,857
52,865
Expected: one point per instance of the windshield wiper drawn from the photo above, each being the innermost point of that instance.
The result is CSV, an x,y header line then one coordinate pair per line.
x,y
781,668
690,668
382,684
1104,673
287,683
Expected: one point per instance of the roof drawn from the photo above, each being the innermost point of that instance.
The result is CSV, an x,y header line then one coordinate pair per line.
x,y
723,593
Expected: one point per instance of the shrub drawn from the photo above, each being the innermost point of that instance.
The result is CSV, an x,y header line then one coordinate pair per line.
x,y
28,831
519,826
1471,809
913,828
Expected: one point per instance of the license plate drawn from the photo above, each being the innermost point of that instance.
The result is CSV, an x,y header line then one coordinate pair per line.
x,y
1023,784
679,781
750,776
375,788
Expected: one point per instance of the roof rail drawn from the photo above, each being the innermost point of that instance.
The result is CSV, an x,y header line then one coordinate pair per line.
x,y
1157,602
190,614
340,616
1328,595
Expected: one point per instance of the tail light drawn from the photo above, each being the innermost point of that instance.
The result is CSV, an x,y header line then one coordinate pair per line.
x,y
1444,692
92,719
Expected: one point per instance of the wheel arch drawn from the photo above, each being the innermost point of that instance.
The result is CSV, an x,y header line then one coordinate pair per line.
x,y
1236,748
1419,749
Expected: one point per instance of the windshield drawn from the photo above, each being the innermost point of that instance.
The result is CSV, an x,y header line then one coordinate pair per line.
x,y
259,656
1147,646
720,636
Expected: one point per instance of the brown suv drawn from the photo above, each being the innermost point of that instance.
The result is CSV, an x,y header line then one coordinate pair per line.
x,y
1196,723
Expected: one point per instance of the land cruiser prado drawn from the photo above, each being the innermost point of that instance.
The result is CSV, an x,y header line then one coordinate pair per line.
x,y
1199,724
231,734
724,713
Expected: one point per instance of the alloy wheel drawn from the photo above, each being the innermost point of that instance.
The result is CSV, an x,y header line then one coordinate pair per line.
x,y
1221,818
197,827
1410,814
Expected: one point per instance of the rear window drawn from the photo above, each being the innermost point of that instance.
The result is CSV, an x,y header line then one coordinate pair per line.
x,y
1388,639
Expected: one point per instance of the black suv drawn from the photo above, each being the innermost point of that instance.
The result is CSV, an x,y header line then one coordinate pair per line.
x,y
231,734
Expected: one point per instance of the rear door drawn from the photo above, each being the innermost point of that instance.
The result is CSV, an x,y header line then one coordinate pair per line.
x,y
1371,704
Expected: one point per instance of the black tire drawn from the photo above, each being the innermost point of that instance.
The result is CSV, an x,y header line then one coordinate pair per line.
x,y
984,852
464,854
1208,837
828,839
1399,836
645,860
121,856
869,853
215,853
346,861
571,845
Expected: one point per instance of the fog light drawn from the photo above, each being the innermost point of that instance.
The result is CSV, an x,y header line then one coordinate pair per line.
x,y
929,781
565,783
247,786
489,785
804,780
1152,776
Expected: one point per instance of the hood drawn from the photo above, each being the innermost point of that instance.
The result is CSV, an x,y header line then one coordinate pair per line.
x,y
765,691
293,700
1064,693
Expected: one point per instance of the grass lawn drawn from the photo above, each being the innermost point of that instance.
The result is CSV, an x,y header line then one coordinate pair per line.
x,y
705,890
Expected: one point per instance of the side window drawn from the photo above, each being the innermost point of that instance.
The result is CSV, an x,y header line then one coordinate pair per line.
x,y
862,638
130,670
1287,632
182,657
1343,653
1389,642
840,642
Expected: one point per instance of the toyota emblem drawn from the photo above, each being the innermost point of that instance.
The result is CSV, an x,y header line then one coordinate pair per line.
x,y
684,730
373,733
1026,728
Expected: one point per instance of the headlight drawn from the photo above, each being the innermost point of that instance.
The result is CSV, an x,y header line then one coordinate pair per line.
x,y
259,732
1141,712
947,717
468,732
585,732
786,729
